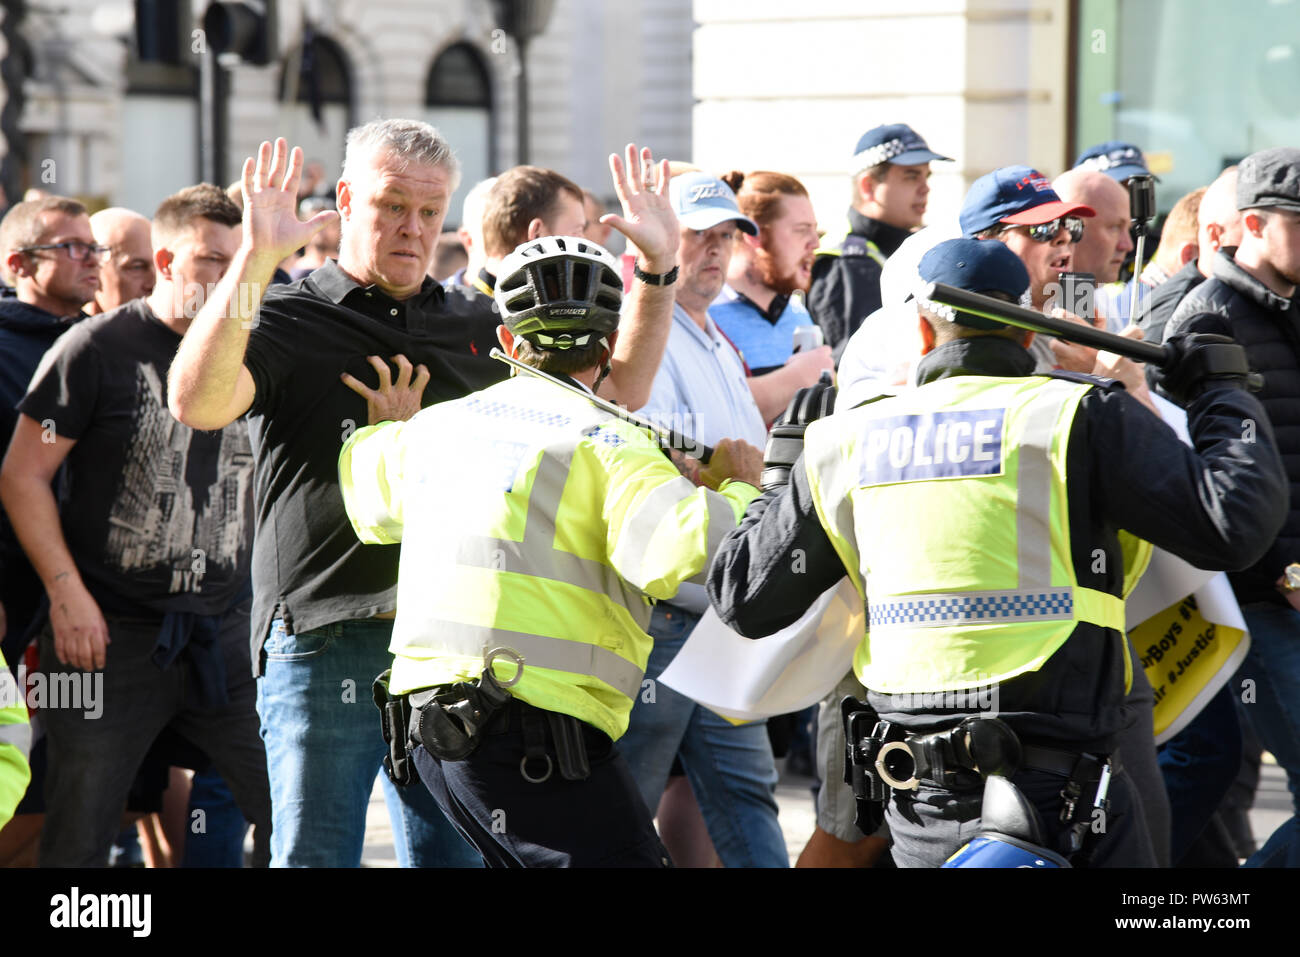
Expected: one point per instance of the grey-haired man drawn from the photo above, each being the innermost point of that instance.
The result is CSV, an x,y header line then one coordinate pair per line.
x,y
323,604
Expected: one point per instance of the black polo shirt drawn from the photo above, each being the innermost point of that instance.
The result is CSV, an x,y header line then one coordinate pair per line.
x,y
308,566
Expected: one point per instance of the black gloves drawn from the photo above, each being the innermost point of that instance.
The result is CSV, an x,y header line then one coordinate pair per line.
x,y
1204,361
785,444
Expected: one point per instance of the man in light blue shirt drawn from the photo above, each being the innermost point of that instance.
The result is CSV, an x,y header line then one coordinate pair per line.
x,y
701,390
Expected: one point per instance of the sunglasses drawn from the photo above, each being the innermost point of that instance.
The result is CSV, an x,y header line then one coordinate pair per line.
x,y
1046,232
77,250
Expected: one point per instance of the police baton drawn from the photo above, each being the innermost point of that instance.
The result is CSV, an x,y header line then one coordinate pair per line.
x,y
988,308
667,438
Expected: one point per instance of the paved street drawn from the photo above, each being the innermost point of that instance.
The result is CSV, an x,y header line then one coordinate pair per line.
x,y
1272,807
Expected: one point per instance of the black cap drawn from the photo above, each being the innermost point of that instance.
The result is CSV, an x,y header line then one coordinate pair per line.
x,y
1269,178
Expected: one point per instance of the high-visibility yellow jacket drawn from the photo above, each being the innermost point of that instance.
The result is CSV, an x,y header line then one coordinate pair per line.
x,y
15,744
949,508
532,520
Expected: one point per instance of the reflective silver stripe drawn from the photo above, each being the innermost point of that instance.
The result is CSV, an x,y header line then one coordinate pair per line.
x,y
1034,486
938,610
537,557
722,519
540,559
20,736
575,656
640,525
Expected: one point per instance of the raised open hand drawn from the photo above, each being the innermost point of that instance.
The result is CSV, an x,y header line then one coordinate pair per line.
x,y
271,225
648,221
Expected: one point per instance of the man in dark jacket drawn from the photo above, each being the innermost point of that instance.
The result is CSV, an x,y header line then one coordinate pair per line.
x,y
49,255
1252,298
891,172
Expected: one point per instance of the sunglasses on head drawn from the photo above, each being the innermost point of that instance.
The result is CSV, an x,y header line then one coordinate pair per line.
x,y
1046,232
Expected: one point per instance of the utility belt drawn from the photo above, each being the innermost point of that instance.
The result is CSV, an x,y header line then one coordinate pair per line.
x,y
450,722
882,756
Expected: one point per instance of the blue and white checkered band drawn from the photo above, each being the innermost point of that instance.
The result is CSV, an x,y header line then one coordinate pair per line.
x,y
880,153
1128,157
979,608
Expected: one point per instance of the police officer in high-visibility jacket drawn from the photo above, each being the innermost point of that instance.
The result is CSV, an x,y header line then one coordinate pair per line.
x,y
988,518
536,529
15,744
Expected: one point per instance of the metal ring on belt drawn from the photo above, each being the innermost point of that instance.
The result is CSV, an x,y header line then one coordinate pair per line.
x,y
504,652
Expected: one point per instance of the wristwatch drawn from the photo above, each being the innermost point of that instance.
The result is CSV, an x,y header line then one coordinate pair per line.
x,y
1291,578
654,279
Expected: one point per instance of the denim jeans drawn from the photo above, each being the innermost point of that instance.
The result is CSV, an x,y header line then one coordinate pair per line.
x,y
1198,766
324,747
730,767
220,842
1273,664
93,757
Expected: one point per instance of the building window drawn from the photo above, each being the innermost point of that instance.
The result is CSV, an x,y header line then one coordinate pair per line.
x,y
458,101
316,103
1197,84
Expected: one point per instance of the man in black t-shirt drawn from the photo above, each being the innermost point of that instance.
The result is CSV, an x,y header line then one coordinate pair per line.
x,y
323,602
146,559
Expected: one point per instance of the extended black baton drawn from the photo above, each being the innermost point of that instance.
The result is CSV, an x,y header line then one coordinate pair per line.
x,y
1013,315
667,438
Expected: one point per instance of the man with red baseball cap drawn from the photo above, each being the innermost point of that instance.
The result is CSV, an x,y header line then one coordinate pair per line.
x,y
1017,205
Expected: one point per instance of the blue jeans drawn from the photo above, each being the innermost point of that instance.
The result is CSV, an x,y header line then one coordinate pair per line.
x,y
1198,766
731,768
221,841
324,748
1273,664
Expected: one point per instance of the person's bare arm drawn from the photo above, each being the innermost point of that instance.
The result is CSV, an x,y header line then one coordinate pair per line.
x,y
773,390
80,632
208,386
651,226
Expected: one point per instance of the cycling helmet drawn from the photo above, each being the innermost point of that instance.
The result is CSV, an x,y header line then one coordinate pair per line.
x,y
559,292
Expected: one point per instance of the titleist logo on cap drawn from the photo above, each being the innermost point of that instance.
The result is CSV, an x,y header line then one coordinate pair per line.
x,y
707,191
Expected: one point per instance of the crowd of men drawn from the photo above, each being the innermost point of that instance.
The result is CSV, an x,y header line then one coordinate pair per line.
x,y
261,414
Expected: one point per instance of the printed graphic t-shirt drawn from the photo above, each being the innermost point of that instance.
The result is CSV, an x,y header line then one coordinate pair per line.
x,y
157,516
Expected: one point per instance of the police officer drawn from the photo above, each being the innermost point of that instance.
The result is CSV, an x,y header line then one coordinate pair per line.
x,y
992,517
536,530
15,743
890,174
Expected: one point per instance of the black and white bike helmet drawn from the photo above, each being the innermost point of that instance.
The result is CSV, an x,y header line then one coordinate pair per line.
x,y
559,292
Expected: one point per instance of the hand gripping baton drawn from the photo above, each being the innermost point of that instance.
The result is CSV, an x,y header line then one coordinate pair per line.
x,y
667,438
1164,356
